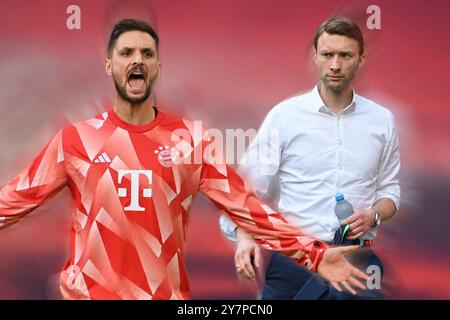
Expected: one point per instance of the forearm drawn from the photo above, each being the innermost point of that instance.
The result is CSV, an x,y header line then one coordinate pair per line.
x,y
267,227
17,200
35,185
386,207
309,254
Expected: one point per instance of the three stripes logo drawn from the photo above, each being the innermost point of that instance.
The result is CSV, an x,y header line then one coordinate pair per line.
x,y
103,158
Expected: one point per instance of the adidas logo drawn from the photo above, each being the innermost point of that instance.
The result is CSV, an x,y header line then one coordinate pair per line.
x,y
103,158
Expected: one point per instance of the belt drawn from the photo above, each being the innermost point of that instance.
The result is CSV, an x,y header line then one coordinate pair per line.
x,y
362,243
367,243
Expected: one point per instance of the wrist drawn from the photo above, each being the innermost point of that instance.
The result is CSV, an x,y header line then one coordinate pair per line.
x,y
375,217
317,256
242,234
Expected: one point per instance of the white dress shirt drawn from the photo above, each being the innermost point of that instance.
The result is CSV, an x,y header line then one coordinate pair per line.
x,y
318,154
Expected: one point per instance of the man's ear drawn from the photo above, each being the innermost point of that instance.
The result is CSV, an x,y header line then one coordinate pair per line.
x,y
362,60
314,54
159,70
108,67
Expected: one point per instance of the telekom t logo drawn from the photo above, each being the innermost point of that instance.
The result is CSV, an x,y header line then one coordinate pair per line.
x,y
146,192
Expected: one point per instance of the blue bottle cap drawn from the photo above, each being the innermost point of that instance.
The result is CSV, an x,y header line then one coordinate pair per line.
x,y
339,196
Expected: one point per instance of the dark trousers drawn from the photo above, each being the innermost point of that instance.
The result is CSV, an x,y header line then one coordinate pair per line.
x,y
286,280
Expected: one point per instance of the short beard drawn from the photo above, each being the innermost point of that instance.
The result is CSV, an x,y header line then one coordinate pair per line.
x,y
338,89
335,89
124,95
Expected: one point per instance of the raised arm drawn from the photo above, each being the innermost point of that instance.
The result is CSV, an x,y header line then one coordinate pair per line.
x,y
36,184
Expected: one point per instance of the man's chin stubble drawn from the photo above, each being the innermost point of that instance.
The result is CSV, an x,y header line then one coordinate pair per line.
x,y
122,93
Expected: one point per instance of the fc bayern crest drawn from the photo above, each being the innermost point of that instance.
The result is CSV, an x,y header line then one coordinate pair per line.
x,y
166,156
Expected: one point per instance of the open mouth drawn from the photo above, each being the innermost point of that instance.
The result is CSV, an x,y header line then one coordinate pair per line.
x,y
136,80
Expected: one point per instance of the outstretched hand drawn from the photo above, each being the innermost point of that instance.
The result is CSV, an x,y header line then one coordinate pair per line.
x,y
334,266
336,269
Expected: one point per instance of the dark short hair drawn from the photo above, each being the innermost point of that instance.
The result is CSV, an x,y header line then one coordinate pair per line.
x,y
341,26
126,25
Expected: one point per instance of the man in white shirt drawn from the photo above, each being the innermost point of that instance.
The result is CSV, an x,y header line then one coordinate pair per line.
x,y
329,140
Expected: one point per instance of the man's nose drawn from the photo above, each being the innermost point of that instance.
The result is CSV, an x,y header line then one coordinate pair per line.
x,y
137,58
335,64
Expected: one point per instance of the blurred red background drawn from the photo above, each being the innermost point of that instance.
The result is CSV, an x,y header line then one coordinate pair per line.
x,y
227,63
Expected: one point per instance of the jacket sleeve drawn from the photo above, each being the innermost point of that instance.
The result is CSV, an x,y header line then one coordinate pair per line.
x,y
36,184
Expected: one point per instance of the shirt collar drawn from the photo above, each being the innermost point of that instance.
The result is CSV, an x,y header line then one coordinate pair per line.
x,y
318,104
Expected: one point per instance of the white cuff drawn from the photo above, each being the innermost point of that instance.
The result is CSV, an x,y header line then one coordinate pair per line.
x,y
228,227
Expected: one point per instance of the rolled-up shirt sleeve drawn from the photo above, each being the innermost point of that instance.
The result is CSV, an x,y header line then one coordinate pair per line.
x,y
388,185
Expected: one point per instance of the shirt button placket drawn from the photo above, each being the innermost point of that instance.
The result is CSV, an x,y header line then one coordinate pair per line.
x,y
339,148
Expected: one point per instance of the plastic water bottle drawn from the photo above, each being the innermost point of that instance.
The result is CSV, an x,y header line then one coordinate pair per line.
x,y
343,210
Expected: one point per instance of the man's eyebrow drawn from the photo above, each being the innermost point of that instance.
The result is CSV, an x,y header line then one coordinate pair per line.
x,y
336,51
